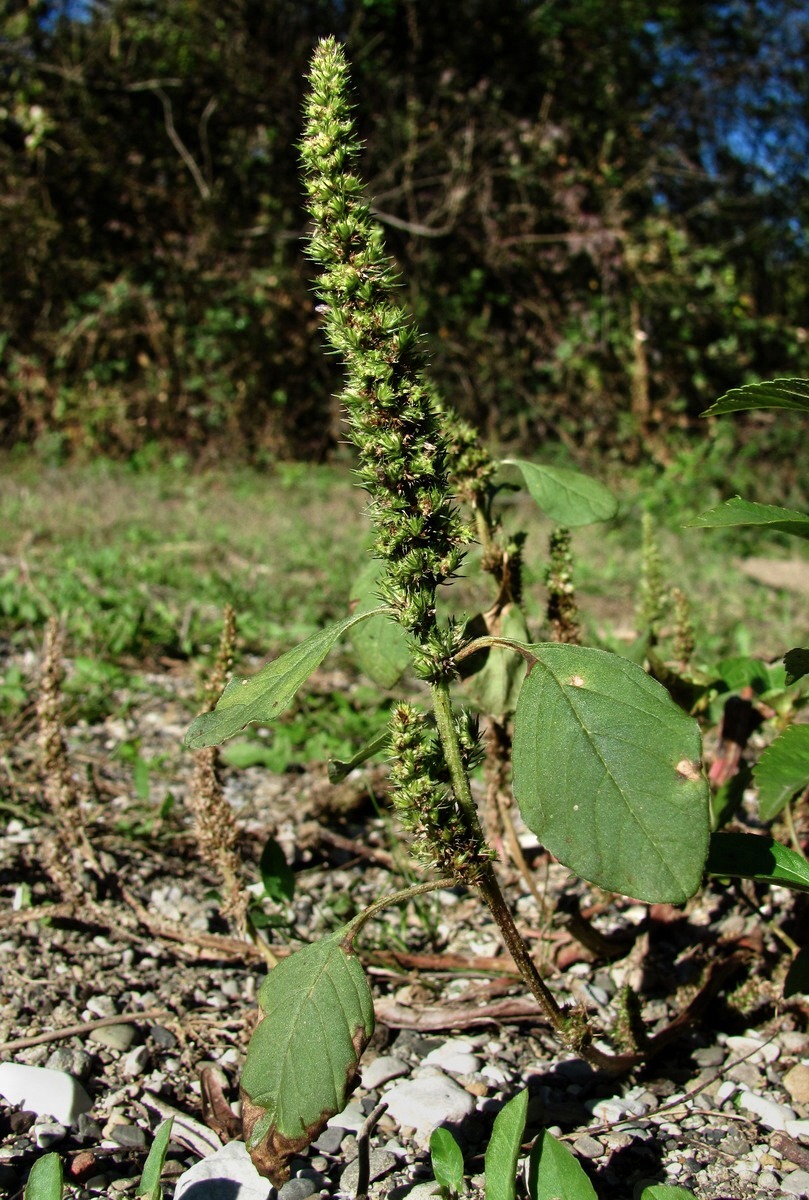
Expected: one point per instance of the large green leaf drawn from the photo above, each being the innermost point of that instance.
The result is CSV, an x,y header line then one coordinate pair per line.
x,y
607,774
782,770
301,1065
554,1173
380,644
262,697
744,512
567,497
503,1149
755,857
779,393
45,1180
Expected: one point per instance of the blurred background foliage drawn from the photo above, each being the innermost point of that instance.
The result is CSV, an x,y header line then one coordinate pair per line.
x,y
599,209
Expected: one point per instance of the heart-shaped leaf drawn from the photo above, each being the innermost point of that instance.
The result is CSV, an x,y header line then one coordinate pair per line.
x,y
380,644
262,697
301,1065
566,496
744,512
779,393
607,774
554,1173
782,770
755,857
503,1149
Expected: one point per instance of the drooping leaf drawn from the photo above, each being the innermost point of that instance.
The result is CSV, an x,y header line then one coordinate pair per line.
x,y
495,688
782,770
276,873
607,774
380,644
262,697
316,1018
753,857
566,496
745,512
45,1179
796,663
340,770
149,1185
554,1173
778,393
797,980
503,1149
447,1161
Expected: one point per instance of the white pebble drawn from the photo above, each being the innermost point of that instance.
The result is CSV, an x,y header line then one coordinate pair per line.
x,y
454,1055
42,1091
426,1103
771,1114
232,1169
382,1070
753,1050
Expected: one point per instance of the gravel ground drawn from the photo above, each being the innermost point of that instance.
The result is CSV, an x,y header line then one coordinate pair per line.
x,y
145,996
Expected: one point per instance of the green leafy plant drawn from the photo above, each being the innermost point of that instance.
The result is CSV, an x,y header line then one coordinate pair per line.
x,y
606,766
45,1180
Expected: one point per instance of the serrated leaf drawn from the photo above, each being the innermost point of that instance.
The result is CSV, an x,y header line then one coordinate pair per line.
x,y
782,770
796,663
277,875
301,1065
797,980
495,688
778,393
380,644
554,1173
447,1161
744,512
339,770
754,857
566,496
149,1185
607,774
503,1149
260,698
45,1179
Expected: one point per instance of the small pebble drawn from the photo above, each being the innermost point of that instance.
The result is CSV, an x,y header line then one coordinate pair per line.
x,y
382,1070
114,1037
128,1135
72,1060
427,1103
709,1056
607,1111
297,1189
329,1140
588,1147
796,1082
454,1055
48,1133
53,1093
796,1184
352,1118
771,1114
753,1050
162,1037
232,1168
379,1161
135,1062
798,1130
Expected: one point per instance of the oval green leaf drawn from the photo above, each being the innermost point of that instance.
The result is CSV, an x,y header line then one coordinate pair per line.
x,y
778,393
260,698
381,645
744,512
607,774
45,1180
566,496
503,1149
302,1060
447,1160
554,1173
755,857
782,770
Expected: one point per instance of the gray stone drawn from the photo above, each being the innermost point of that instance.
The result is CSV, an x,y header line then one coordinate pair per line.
x,y
48,1133
424,1104
379,1162
72,1060
135,1062
418,1191
352,1117
796,1184
228,1174
162,1037
297,1189
382,1070
44,1092
329,1140
114,1037
588,1147
454,1055
128,1135
709,1056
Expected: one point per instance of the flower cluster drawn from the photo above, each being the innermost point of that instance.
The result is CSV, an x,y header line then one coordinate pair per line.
x,y
393,419
422,793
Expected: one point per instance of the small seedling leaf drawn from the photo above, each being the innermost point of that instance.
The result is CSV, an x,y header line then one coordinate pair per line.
x,y
607,774
566,496
754,857
447,1160
797,980
782,770
797,664
276,873
665,1191
744,512
503,1149
262,697
778,393
316,1018
45,1180
149,1185
338,770
380,644
554,1173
